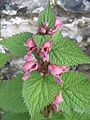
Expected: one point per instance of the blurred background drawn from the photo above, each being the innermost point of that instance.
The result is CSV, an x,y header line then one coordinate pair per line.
x,y
22,15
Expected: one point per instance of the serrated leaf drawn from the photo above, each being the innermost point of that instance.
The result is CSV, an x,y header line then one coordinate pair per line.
x,y
3,59
57,116
75,92
47,16
39,91
77,116
39,116
13,116
15,44
11,95
65,52
40,39
71,116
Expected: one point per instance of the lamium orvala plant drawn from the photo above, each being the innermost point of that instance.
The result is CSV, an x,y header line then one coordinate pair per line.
x,y
46,89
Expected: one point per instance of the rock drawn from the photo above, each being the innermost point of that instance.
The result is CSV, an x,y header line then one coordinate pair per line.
x,y
11,68
30,5
82,6
78,30
88,51
9,12
3,4
37,10
17,25
2,49
17,63
21,7
88,40
79,38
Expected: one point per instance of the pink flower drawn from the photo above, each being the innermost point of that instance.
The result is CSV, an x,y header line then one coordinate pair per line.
x,y
58,25
44,57
45,25
58,99
29,56
58,22
39,29
31,46
28,67
50,32
43,30
57,71
26,76
44,50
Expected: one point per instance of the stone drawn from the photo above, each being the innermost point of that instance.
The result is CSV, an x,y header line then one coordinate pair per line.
x,y
2,49
88,39
31,5
78,33
82,6
16,25
88,51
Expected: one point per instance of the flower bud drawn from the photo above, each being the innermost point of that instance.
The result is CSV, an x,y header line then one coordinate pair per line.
x,y
45,25
43,30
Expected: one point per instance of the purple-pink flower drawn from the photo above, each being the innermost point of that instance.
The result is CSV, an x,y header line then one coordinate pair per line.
x,y
57,71
58,25
29,56
45,25
28,67
44,50
30,62
58,99
31,46
46,30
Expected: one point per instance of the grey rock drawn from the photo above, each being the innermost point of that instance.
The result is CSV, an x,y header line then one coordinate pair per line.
x,y
3,4
88,39
11,68
17,25
88,51
29,4
78,30
84,67
38,10
13,7
2,50
75,5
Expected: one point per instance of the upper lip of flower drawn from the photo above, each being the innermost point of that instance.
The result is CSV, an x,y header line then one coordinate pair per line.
x,y
31,46
30,66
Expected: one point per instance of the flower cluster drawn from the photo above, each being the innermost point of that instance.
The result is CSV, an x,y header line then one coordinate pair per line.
x,y
46,30
43,65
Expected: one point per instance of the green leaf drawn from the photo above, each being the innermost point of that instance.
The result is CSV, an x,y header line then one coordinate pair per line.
x,y
77,116
11,95
65,52
13,116
3,59
71,116
15,44
75,92
58,116
39,116
40,39
39,91
47,16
